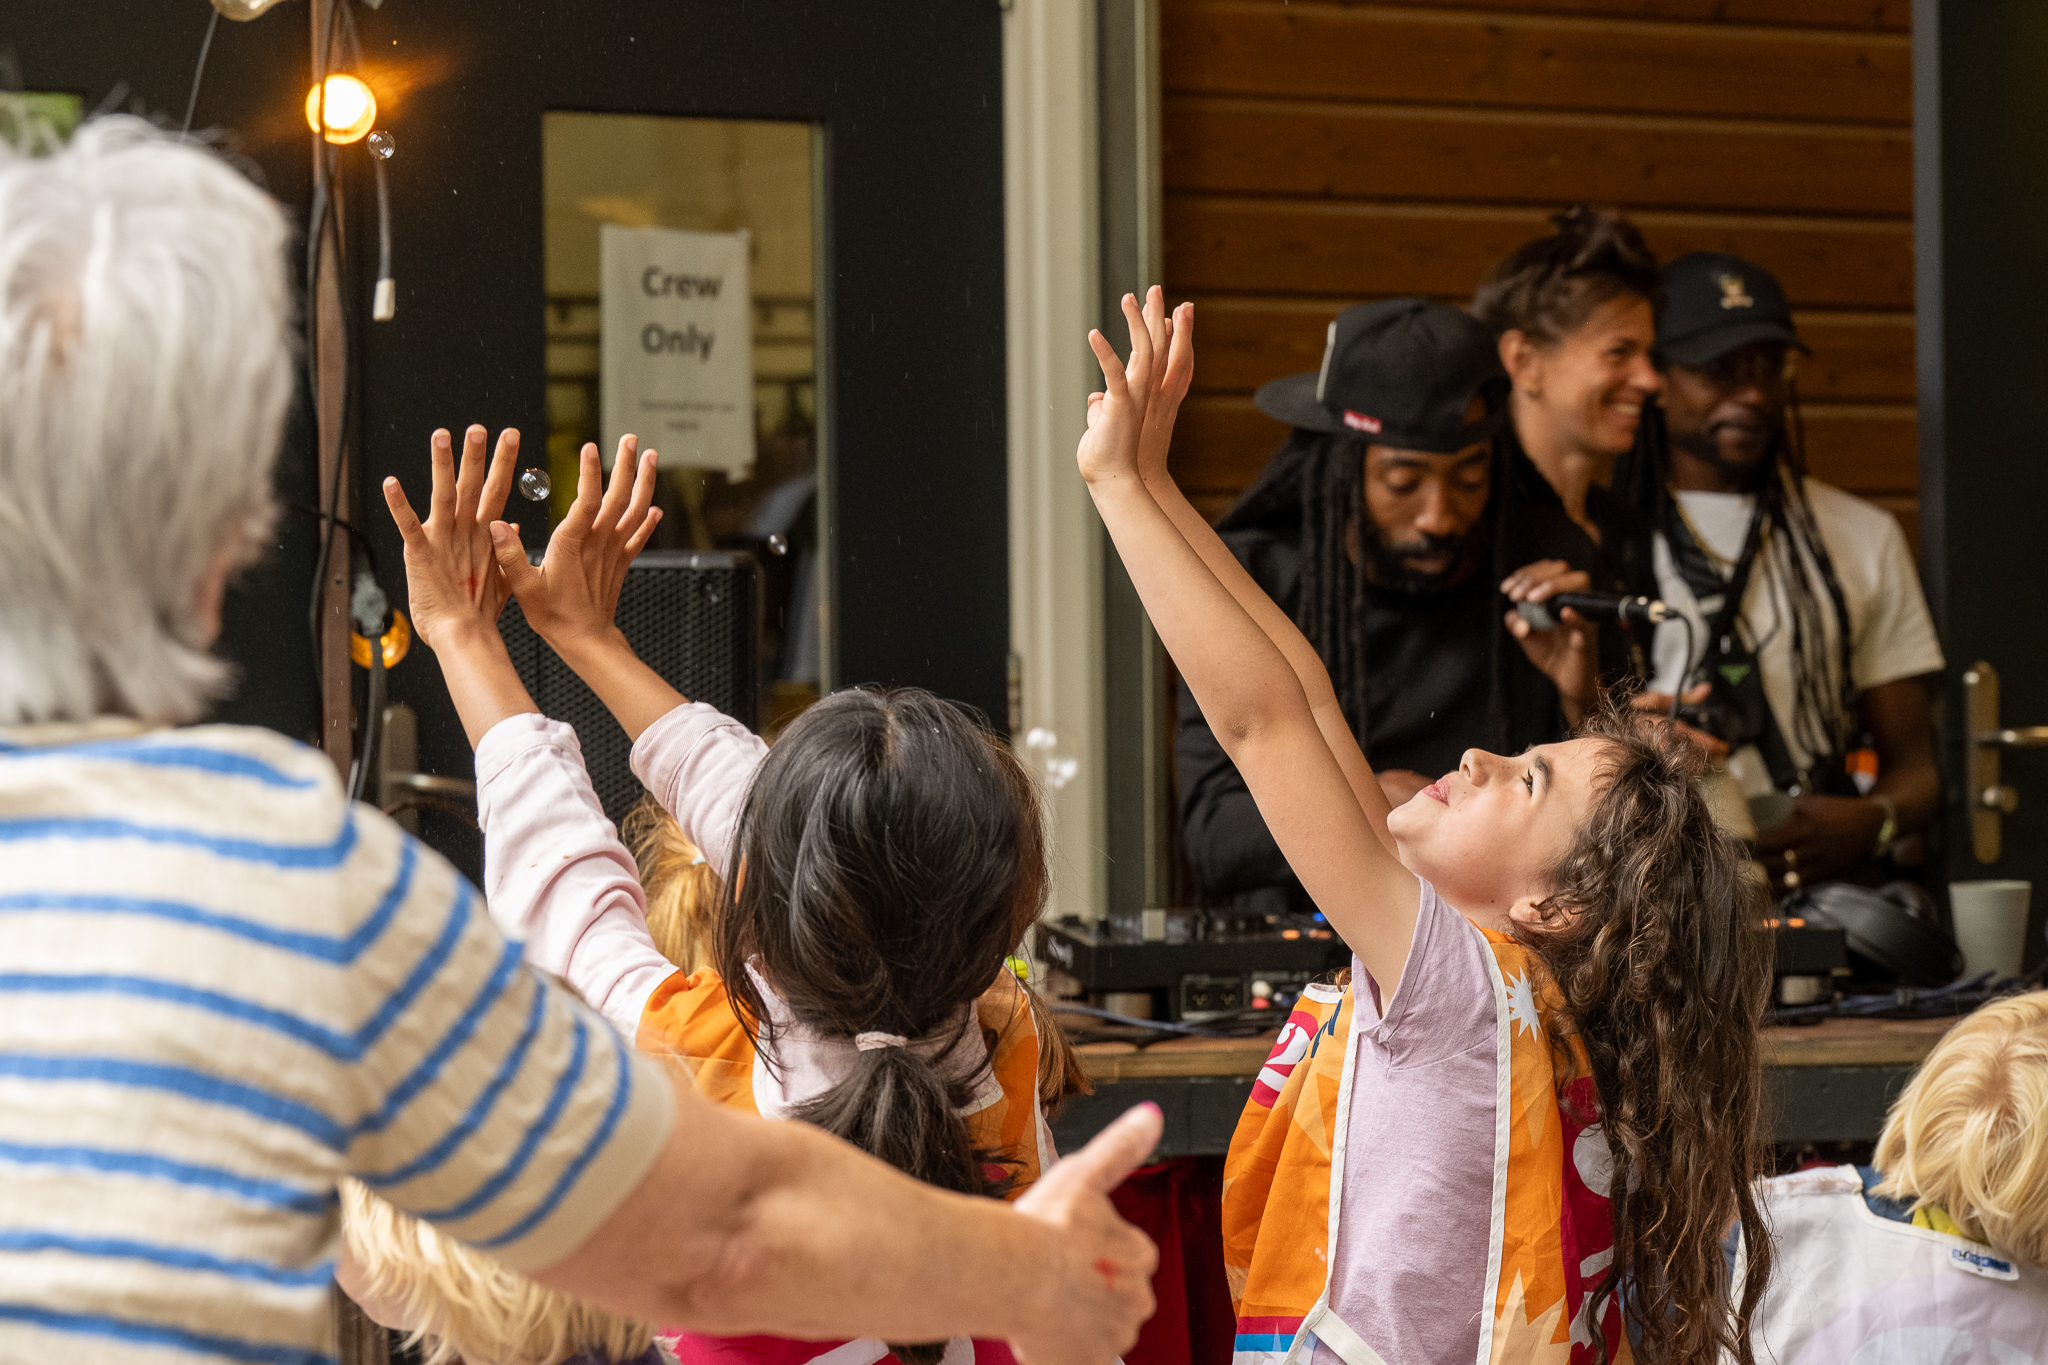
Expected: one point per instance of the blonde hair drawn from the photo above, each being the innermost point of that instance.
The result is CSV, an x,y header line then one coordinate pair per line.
x,y
682,889
1967,1134
460,1304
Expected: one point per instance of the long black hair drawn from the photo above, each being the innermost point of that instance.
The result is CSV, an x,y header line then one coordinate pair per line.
x,y
893,855
1791,554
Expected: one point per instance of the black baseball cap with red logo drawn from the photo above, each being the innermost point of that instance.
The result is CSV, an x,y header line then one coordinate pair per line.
x,y
1399,372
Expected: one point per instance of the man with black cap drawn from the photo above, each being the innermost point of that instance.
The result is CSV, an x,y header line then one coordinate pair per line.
x,y
1380,526
1810,635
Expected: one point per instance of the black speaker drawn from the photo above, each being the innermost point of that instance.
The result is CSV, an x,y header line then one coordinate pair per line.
x,y
694,617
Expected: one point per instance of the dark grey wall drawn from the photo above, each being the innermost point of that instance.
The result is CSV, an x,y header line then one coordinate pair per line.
x,y
910,96
1980,162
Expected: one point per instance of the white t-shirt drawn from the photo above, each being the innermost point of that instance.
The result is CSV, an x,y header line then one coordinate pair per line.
x,y
1892,636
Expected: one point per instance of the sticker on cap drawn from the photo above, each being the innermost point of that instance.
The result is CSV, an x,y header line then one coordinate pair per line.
x,y
1732,295
1358,421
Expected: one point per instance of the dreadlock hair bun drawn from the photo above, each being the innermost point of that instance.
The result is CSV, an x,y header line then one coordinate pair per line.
x,y
1654,937
1547,288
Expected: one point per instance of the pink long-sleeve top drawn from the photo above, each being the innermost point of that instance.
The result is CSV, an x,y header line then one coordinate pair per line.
x,y
556,873
560,879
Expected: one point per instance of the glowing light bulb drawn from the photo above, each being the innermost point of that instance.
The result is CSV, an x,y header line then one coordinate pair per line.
x,y
351,109
243,10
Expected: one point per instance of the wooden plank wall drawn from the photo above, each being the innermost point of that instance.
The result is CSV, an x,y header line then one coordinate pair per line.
x,y
1318,154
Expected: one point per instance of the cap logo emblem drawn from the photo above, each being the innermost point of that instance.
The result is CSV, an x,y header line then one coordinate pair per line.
x,y
1731,292
1358,421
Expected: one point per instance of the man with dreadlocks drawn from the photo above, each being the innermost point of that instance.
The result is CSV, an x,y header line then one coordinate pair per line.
x,y
1379,527
1809,628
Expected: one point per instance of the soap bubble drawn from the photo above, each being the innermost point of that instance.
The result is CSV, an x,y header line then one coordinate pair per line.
x,y
1041,751
534,485
778,544
382,145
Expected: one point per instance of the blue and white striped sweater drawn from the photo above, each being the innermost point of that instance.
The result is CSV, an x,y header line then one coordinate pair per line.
x,y
221,988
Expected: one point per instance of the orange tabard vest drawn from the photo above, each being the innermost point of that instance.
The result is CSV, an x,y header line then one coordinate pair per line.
x,y
1276,1186
689,1019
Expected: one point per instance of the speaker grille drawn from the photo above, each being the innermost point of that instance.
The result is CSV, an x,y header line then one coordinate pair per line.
x,y
695,618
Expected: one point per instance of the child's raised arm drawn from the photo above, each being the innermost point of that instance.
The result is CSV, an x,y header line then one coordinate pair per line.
x,y
556,873
1250,692
1175,339
572,599
695,761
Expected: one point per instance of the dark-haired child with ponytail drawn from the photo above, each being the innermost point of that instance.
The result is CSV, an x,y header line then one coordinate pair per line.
x,y
881,865
1522,1130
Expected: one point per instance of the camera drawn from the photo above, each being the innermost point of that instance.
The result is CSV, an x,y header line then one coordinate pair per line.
x,y
1714,718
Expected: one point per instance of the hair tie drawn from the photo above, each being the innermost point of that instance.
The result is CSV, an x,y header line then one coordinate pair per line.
x,y
868,1042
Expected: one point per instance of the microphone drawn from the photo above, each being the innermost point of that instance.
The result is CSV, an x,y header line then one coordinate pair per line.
x,y
1595,606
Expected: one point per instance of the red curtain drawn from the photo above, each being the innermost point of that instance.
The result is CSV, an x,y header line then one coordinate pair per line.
x,y
1178,1204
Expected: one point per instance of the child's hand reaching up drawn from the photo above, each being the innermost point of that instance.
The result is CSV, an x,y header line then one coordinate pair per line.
x,y
572,599
573,596
1116,416
452,581
1173,350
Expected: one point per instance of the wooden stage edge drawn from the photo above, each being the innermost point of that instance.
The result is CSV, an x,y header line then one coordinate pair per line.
x,y
1834,1042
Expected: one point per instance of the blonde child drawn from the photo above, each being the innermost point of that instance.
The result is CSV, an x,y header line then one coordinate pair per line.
x,y
682,890
458,1305
463,1308
1536,1105
882,862
1939,1252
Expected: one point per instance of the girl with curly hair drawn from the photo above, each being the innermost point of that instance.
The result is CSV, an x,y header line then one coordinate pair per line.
x,y
1522,1131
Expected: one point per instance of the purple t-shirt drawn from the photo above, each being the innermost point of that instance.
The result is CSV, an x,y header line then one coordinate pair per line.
x,y
1414,1216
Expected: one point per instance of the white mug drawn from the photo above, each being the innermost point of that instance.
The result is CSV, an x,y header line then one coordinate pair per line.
x,y
1991,924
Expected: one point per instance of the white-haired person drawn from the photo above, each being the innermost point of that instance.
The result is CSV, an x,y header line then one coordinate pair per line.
x,y
1938,1252
224,988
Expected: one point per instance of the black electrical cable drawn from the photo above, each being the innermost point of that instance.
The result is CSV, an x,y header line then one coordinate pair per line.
x,y
199,74
325,169
373,718
1678,689
310,510
1956,998
1245,1023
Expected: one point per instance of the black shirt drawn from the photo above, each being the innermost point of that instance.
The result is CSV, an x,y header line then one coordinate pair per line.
x,y
1429,697
1430,694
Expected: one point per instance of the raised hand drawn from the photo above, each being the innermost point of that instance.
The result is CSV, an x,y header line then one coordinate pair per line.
x,y
1569,653
452,579
574,595
1105,1291
1173,338
1116,416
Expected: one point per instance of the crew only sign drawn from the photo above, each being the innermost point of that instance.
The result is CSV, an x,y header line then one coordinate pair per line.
x,y
677,355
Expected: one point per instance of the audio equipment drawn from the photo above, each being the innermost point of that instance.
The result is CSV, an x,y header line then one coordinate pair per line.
x,y
694,617
1594,606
